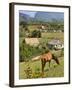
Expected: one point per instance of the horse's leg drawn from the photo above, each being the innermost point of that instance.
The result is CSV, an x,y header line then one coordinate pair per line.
x,y
43,65
49,63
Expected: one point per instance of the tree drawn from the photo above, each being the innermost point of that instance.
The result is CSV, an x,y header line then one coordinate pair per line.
x,y
23,24
36,33
25,52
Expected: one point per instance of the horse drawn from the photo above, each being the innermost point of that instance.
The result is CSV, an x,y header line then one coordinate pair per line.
x,y
47,57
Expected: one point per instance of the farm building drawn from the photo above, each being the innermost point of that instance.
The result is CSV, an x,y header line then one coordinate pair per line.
x,y
32,41
55,44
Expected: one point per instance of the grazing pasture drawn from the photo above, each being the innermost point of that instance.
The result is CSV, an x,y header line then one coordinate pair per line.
x,y
53,35
32,69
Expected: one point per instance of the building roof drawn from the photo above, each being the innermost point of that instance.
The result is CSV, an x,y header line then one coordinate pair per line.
x,y
32,41
55,42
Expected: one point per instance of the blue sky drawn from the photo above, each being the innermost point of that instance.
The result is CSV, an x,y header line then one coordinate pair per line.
x,y
30,13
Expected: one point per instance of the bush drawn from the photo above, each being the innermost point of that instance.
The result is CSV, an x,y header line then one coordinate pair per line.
x,y
23,24
28,72
27,51
36,33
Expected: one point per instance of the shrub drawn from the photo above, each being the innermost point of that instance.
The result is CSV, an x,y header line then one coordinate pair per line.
x,y
28,72
36,33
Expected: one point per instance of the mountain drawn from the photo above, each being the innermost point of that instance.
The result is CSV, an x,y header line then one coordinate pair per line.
x,y
24,17
49,16
41,16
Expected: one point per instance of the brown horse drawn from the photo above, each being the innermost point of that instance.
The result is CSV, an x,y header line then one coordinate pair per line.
x,y
47,58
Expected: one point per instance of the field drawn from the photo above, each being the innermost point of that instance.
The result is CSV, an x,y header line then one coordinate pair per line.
x,y
48,36
32,69
53,35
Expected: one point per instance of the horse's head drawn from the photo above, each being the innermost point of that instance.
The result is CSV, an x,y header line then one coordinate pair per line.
x,y
56,59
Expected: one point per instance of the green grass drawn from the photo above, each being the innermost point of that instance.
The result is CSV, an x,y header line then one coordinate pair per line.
x,y
46,37
53,35
35,67
32,28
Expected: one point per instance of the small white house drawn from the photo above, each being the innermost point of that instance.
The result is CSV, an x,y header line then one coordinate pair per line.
x,y
55,44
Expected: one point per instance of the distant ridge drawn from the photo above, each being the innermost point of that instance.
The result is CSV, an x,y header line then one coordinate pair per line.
x,y
24,17
49,16
42,16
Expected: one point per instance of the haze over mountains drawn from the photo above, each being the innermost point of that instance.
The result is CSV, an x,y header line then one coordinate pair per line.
x,y
42,16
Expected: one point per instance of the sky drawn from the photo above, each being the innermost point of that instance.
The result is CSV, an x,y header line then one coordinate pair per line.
x,y
30,13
